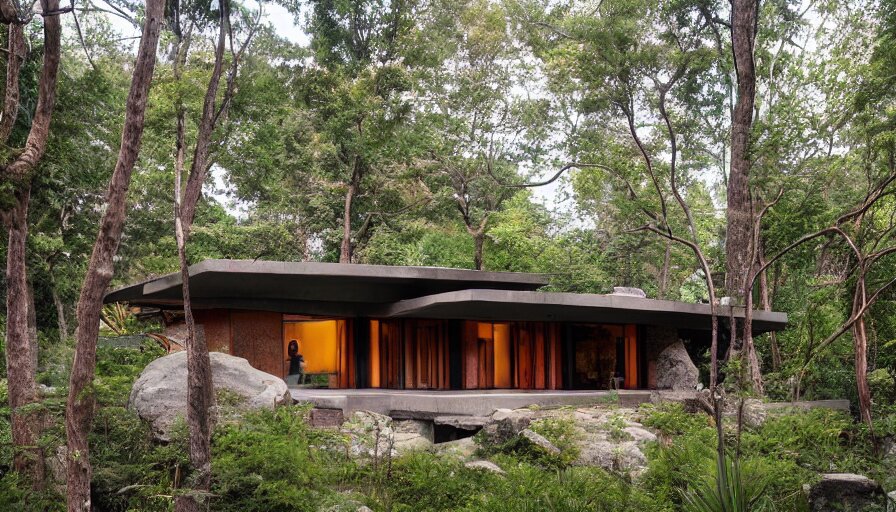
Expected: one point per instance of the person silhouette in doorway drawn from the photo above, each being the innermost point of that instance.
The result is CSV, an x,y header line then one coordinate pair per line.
x,y
296,373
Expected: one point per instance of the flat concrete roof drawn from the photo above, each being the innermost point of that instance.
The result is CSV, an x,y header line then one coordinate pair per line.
x,y
572,307
350,290
279,284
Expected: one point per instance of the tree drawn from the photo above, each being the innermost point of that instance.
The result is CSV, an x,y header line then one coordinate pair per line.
x,y
200,391
79,406
21,349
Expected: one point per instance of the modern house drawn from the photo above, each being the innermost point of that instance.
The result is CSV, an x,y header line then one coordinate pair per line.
x,y
369,326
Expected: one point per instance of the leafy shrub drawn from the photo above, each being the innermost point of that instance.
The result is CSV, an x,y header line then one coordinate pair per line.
x,y
562,433
273,461
425,482
670,418
527,488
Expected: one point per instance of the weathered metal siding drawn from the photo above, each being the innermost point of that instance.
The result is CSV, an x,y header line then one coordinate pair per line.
x,y
258,337
216,323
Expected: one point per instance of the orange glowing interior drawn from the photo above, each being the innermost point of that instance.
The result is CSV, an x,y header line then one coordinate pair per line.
x,y
631,357
502,355
374,353
318,343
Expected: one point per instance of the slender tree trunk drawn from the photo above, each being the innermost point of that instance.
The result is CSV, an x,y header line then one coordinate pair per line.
x,y
20,350
860,345
17,52
478,242
739,211
200,390
61,322
22,345
79,407
766,304
345,250
664,271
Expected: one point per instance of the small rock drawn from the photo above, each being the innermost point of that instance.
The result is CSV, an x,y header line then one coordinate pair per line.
x,y
370,434
754,413
364,508
846,492
540,441
891,501
322,418
505,424
640,435
596,450
462,448
628,291
485,465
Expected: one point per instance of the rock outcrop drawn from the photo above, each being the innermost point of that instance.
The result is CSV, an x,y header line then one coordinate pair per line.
x,y
846,492
675,370
159,395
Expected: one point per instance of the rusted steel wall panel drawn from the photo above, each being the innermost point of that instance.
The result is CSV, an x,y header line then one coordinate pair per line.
x,y
258,337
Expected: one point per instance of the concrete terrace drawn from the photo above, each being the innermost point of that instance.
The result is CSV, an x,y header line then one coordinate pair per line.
x,y
422,404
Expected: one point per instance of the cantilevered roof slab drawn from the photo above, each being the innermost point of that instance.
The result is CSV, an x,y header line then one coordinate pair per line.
x,y
284,286
507,305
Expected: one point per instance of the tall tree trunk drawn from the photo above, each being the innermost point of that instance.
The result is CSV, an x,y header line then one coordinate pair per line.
x,y
79,406
200,391
739,212
354,186
20,350
22,345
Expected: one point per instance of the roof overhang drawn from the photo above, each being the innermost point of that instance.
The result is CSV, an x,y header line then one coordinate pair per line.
x,y
281,286
351,290
497,305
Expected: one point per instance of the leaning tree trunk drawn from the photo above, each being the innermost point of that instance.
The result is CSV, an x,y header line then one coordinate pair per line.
x,y
20,351
79,407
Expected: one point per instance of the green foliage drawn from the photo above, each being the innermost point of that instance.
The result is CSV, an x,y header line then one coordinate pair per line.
x,y
528,489
671,419
730,490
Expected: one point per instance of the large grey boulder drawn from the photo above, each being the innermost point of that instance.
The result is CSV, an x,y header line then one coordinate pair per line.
x,y
159,395
675,370
846,492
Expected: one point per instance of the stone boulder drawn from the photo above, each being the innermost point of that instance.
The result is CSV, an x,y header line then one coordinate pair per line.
x,y
484,465
159,395
370,434
846,492
620,456
675,370
411,435
540,441
505,424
